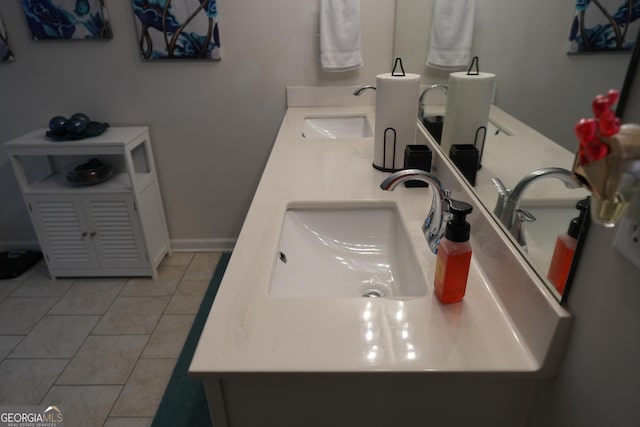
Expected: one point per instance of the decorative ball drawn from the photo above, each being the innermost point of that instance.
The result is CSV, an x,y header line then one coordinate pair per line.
x,y
76,126
80,116
57,125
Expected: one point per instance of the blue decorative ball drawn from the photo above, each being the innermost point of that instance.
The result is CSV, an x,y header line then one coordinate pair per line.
x,y
77,126
58,125
81,116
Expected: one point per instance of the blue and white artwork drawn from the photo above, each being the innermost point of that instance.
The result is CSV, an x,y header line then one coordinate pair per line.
x,y
67,19
604,25
184,29
5,52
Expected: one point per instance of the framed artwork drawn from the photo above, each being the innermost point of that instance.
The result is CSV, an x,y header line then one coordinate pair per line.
x,y
5,52
183,29
67,19
604,25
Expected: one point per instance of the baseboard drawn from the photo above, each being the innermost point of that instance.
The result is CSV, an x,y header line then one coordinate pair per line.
x,y
202,245
177,245
8,245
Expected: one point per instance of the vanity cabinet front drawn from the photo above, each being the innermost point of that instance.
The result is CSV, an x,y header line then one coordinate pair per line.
x,y
99,234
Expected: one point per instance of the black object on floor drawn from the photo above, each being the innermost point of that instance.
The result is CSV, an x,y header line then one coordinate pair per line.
x,y
14,263
184,402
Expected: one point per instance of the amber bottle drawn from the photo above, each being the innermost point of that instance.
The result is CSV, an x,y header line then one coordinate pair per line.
x,y
454,256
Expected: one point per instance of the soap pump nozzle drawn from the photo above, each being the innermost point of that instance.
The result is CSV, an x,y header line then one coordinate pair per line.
x,y
458,229
576,223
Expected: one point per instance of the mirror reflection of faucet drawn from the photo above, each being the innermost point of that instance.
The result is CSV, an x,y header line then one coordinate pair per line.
x,y
361,89
433,123
507,207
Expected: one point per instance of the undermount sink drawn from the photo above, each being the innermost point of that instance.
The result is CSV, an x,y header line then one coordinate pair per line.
x,y
345,250
335,127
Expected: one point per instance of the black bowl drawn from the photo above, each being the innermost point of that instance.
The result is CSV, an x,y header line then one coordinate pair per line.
x,y
92,172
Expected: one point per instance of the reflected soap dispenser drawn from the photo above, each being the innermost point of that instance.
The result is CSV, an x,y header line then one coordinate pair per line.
x,y
565,249
454,256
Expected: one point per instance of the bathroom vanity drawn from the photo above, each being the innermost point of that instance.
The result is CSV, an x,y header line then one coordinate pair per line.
x,y
273,357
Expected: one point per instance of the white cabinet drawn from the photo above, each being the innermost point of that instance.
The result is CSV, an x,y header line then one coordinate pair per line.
x,y
114,228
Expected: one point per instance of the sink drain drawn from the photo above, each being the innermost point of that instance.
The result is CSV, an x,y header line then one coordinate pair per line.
x,y
373,293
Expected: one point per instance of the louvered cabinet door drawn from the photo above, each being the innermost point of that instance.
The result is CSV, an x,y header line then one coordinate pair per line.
x,y
63,231
115,230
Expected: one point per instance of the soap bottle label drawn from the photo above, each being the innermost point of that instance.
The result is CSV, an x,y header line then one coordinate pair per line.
x,y
452,271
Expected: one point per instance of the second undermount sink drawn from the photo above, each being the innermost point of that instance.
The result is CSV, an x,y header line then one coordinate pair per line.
x,y
345,250
335,127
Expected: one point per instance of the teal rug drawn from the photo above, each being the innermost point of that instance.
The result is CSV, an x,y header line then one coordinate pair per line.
x,y
184,402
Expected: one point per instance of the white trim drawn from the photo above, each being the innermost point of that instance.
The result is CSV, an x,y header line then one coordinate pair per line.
x,y
202,245
177,245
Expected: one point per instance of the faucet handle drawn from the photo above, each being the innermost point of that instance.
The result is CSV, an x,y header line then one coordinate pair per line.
x,y
503,196
517,230
524,215
502,190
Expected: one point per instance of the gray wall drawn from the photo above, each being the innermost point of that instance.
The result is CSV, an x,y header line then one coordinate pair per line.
x,y
599,379
212,123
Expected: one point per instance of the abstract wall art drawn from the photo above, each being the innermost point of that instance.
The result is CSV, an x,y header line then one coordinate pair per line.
x,y
67,19
183,29
5,52
604,25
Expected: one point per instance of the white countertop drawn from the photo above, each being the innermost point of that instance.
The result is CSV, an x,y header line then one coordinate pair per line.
x,y
249,331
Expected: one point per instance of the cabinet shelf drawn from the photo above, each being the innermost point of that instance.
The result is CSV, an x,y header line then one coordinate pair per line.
x,y
119,182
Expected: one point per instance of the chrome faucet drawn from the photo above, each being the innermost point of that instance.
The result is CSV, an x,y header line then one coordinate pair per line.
x,y
421,112
508,204
359,91
438,216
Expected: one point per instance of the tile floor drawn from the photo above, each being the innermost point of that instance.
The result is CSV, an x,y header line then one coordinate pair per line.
x,y
100,349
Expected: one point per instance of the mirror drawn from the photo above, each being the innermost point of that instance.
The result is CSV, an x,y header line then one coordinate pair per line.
x,y
541,92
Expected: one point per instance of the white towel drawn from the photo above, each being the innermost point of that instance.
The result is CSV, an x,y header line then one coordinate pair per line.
x,y
340,35
451,34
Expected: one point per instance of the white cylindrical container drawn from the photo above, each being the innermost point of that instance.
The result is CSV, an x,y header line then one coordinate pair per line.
x,y
469,100
396,116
